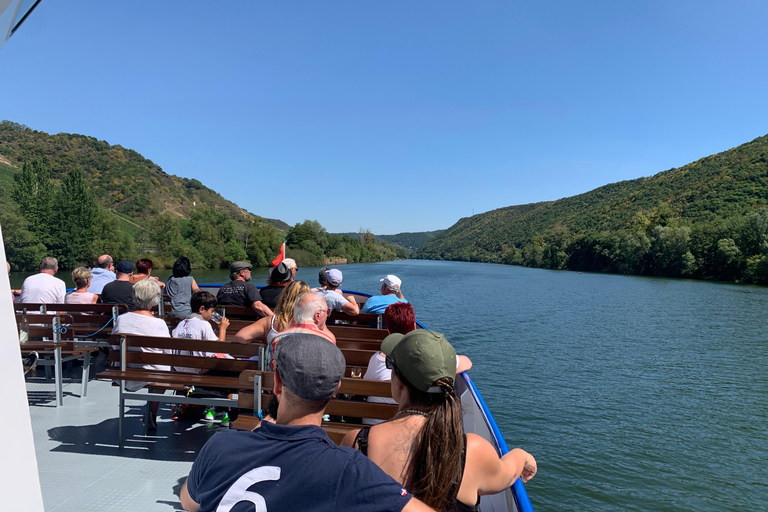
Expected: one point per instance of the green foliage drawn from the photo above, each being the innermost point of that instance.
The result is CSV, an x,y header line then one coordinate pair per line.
x,y
74,221
115,201
33,194
706,220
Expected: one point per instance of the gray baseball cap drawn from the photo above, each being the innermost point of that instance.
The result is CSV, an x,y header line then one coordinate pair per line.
x,y
333,276
310,366
237,266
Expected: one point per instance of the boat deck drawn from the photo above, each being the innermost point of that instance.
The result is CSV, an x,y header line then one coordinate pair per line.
x,y
79,463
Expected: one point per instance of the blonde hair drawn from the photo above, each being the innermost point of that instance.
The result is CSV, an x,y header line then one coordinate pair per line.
x,y
80,276
286,302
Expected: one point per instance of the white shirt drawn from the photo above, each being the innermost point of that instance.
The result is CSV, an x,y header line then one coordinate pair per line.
x,y
377,370
43,288
194,328
134,323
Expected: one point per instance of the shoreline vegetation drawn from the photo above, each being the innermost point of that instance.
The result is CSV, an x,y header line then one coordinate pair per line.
x,y
706,220
75,198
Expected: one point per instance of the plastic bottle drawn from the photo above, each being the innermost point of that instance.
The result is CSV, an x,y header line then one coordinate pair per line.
x,y
24,328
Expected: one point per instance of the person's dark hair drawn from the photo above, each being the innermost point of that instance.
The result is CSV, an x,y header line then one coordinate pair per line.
x,y
400,318
322,278
182,267
434,468
202,299
143,266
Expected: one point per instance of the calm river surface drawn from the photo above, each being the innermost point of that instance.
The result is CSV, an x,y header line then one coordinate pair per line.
x,y
632,393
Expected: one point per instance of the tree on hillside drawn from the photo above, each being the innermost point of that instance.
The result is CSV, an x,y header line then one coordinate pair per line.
x,y
110,239
23,249
76,216
33,194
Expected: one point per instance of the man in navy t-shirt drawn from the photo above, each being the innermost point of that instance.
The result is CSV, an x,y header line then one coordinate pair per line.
x,y
293,465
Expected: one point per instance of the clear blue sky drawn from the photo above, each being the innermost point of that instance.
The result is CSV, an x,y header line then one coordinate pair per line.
x,y
395,116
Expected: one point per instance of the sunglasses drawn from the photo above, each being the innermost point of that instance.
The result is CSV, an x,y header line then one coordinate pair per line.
x,y
389,363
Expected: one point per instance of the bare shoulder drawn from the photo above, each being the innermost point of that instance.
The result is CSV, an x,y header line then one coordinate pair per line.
x,y
349,438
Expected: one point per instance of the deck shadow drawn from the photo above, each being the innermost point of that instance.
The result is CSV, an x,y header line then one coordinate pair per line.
x,y
172,441
45,398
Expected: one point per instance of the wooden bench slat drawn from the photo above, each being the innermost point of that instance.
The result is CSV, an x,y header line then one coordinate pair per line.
x,y
349,332
357,357
141,375
74,308
133,340
205,363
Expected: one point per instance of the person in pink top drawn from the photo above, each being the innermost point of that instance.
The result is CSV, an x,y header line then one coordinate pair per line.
x,y
82,278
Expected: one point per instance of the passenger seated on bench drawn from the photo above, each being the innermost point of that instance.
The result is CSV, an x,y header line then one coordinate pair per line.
x,y
399,318
146,295
119,291
424,446
240,291
279,277
268,328
43,287
180,288
390,293
332,295
82,279
197,327
293,463
143,271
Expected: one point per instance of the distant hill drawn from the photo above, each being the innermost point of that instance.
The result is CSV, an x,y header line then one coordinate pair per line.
x,y
121,179
412,241
713,199
76,197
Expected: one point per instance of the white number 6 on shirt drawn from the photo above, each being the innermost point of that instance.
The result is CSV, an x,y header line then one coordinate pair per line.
x,y
239,490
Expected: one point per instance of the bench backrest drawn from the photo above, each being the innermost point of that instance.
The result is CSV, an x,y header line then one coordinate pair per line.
x,y
69,308
354,408
179,352
355,333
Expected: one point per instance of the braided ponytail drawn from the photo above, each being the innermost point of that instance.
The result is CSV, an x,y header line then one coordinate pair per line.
x,y
434,468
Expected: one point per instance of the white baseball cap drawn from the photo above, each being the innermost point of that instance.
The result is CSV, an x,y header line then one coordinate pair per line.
x,y
392,282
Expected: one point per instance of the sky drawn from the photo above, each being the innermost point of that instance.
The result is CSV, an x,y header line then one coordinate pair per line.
x,y
395,116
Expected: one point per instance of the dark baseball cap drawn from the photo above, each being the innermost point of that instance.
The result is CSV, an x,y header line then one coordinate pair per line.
x,y
237,266
422,357
124,267
310,366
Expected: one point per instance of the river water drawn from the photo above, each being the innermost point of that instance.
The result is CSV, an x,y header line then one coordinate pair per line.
x,y
632,393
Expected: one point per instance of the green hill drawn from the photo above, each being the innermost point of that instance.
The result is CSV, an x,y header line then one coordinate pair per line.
x,y
120,179
411,241
675,223
77,197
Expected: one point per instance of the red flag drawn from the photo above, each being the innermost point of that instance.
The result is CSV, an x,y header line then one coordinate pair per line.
x,y
280,257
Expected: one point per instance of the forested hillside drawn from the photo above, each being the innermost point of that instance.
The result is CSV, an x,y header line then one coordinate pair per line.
x,y
410,241
706,220
75,197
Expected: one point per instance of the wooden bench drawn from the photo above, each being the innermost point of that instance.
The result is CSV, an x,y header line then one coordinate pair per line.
x,y
55,345
129,352
355,407
92,323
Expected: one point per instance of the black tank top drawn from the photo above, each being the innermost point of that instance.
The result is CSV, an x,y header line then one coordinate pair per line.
x,y
361,440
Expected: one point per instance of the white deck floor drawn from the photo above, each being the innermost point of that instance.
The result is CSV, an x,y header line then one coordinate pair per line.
x,y
80,465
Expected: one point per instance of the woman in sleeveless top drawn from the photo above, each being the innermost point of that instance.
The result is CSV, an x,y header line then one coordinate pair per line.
x,y
423,447
268,328
82,279
180,288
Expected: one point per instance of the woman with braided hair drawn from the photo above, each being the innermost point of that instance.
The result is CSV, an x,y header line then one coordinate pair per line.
x,y
424,446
